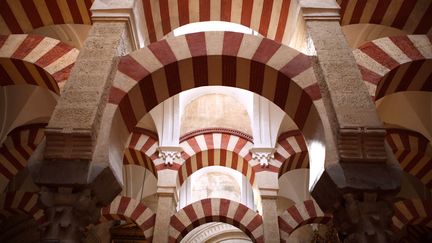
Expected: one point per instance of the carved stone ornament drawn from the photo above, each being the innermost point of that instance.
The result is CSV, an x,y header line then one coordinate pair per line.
x,y
362,143
364,218
68,213
170,155
263,156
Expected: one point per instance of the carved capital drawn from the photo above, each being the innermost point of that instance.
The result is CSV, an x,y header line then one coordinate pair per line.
x,y
263,155
366,144
170,155
364,218
68,211
70,207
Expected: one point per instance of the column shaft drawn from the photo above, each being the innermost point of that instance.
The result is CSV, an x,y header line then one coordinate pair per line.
x,y
270,220
166,208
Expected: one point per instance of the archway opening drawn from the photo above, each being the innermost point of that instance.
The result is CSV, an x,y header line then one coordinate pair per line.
x,y
218,182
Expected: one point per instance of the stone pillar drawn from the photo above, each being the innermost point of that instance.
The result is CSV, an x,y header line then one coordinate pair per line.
x,y
270,216
268,186
167,202
358,161
74,188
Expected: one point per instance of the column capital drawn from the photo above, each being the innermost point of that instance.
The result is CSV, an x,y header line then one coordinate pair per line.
x,y
170,154
365,217
263,155
128,11
320,10
68,211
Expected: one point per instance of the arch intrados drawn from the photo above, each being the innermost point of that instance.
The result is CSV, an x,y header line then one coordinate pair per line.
x,y
403,142
36,77
287,199
189,167
37,60
29,17
213,25
411,76
291,152
411,212
358,34
142,150
136,157
300,214
213,232
17,149
276,21
216,146
408,16
299,160
398,56
126,208
22,202
215,210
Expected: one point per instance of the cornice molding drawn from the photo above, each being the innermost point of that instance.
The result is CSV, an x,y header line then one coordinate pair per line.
x,y
234,132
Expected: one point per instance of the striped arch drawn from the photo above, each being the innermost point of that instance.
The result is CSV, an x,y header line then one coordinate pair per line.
x,y
35,60
217,148
21,202
414,153
23,16
301,214
391,64
170,66
291,152
131,210
411,16
216,210
216,157
142,151
275,20
416,233
16,150
412,212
